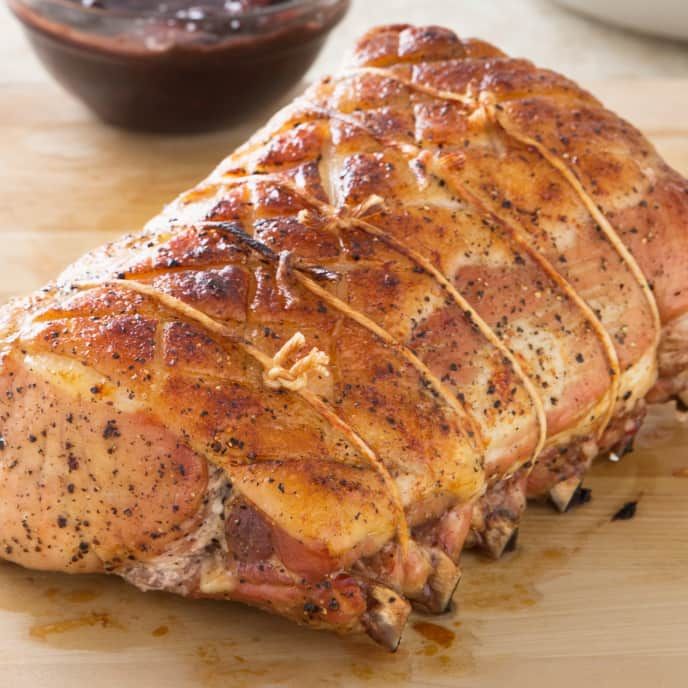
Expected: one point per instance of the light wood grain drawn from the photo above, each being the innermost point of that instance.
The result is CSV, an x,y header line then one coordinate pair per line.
x,y
584,601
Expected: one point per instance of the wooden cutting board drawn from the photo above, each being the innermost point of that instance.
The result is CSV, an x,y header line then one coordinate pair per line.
x,y
584,601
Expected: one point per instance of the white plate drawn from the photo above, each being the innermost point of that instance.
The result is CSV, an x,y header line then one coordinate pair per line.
x,y
661,17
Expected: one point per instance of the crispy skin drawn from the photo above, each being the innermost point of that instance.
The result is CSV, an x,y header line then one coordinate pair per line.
x,y
434,285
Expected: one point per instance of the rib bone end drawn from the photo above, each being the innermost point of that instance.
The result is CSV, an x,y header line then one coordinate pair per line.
x,y
563,492
439,589
500,537
386,616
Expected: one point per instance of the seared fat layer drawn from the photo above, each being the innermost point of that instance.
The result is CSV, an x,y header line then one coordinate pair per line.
x,y
316,376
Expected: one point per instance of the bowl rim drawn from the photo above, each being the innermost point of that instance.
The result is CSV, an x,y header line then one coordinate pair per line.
x,y
222,12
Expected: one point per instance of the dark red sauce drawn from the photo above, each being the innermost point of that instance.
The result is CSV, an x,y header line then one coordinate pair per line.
x,y
177,65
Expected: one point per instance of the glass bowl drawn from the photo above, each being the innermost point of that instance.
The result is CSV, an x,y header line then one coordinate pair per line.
x,y
179,65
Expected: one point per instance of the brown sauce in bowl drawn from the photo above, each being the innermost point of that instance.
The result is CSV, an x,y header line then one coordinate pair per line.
x,y
177,66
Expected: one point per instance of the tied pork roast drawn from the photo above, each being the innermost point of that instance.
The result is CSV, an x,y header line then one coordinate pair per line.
x,y
431,288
